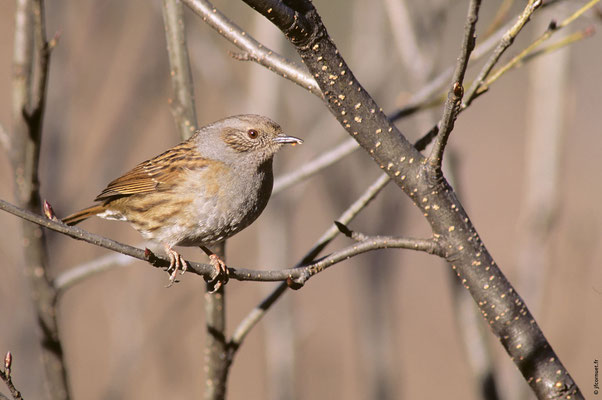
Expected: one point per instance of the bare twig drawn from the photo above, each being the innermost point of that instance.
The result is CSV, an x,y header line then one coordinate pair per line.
x,y
242,274
5,375
347,216
245,326
80,234
428,96
502,46
84,271
182,103
364,120
30,75
454,96
253,49
530,50
562,43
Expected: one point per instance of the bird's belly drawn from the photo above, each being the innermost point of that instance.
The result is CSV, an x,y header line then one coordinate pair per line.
x,y
204,223
205,217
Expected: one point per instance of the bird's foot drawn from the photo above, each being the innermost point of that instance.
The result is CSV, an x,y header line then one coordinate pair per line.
x,y
176,263
220,276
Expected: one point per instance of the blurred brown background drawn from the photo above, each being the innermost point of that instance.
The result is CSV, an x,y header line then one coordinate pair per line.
x,y
381,325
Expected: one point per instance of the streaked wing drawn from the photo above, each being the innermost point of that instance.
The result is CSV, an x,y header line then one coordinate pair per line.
x,y
157,174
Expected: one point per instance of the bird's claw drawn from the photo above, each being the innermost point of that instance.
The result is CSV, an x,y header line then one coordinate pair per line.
x,y
176,263
221,275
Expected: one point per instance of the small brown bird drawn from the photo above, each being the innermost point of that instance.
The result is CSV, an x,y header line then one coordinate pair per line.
x,y
199,192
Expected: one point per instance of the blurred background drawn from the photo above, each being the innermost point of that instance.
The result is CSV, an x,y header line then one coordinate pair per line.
x,y
389,324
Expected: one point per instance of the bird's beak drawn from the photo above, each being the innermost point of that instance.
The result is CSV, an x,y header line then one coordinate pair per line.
x,y
283,139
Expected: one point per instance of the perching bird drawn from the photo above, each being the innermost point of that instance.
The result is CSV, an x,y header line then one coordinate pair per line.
x,y
199,192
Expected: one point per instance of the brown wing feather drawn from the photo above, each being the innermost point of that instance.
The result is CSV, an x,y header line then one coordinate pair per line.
x,y
156,174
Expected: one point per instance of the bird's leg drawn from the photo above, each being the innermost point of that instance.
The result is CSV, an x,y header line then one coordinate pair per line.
x,y
221,276
176,262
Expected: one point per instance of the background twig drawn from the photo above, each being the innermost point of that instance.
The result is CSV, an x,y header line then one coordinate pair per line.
x,y
30,65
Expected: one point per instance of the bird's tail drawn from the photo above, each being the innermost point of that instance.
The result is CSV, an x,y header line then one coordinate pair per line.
x,y
86,213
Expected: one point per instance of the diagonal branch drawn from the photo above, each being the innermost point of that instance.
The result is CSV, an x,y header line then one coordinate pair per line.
x,y
253,49
347,216
504,310
454,96
245,326
529,52
505,42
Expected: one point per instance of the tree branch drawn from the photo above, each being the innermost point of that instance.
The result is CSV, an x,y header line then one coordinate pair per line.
x,y
253,49
30,76
502,46
529,52
504,310
307,268
347,216
5,376
454,96
245,326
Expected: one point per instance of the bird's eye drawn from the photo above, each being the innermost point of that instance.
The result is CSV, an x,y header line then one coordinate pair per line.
x,y
252,133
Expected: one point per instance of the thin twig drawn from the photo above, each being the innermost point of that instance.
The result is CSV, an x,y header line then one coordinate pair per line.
x,y
562,43
182,103
31,58
502,46
308,267
361,116
255,315
423,98
530,50
253,49
5,376
81,234
454,96
84,271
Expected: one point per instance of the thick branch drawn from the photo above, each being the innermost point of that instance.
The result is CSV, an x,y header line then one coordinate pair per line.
x,y
502,307
347,216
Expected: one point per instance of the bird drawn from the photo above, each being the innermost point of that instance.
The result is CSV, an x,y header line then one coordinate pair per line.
x,y
199,192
